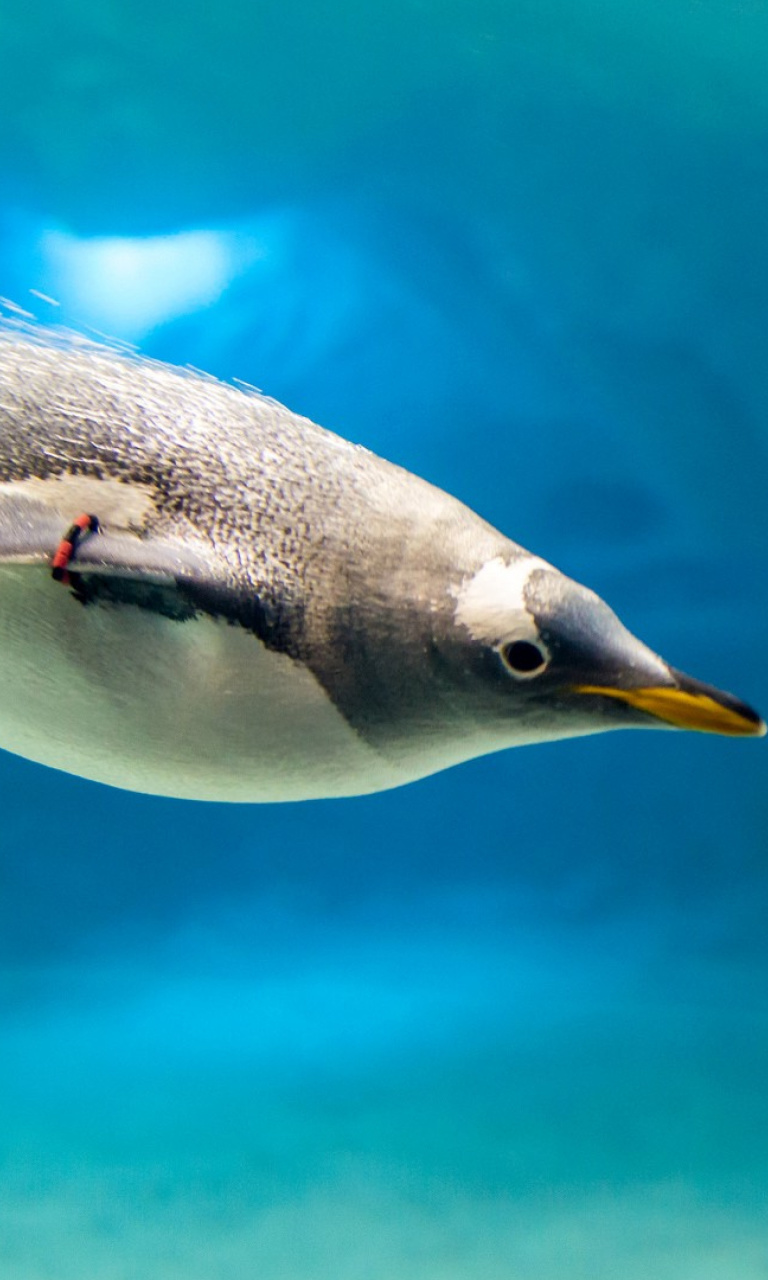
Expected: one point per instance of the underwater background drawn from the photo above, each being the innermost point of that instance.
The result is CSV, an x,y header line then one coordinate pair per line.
x,y
510,1022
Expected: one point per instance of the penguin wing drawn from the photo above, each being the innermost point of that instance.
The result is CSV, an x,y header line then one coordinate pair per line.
x,y
121,566
30,533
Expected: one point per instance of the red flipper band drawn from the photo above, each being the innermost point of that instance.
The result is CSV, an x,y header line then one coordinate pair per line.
x,y
67,548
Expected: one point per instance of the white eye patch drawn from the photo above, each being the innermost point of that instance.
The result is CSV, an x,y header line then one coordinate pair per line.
x,y
491,605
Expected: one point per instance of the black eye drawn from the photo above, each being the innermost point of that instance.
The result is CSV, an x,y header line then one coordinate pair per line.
x,y
523,657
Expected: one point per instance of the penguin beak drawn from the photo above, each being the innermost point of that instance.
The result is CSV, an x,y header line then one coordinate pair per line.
x,y
607,662
687,704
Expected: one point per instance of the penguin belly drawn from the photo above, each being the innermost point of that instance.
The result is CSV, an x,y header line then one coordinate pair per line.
x,y
196,708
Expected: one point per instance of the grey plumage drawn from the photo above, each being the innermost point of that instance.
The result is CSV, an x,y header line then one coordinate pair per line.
x,y
223,507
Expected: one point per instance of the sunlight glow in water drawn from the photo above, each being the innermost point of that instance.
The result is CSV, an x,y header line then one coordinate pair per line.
x,y
128,286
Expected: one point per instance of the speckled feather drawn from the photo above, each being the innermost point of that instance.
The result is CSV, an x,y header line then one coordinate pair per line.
x,y
328,553
269,612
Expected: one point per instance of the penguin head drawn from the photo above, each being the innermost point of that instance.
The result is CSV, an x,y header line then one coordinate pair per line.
x,y
561,664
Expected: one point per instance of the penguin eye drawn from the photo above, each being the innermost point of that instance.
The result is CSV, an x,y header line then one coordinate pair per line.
x,y
524,658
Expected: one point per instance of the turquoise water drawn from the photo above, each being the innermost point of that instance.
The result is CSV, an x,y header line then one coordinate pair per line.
x,y
510,1022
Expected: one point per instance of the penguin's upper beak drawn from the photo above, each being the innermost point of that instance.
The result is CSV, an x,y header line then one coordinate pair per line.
x,y
687,704
605,661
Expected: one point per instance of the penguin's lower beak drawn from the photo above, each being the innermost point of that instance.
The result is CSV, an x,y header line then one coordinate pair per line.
x,y
687,704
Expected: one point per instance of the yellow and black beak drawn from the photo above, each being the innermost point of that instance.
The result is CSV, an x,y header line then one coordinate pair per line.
x,y
686,704
612,679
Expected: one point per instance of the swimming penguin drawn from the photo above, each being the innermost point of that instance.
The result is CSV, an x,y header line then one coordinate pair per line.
x,y
250,608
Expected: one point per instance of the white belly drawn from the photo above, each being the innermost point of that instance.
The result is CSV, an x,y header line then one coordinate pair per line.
x,y
198,709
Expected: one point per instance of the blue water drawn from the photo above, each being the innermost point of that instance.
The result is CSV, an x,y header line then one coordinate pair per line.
x,y
510,1022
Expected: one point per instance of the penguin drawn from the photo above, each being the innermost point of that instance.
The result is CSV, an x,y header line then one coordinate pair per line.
x,y
250,608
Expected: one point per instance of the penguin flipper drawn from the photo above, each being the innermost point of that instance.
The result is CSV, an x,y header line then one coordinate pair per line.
x,y
31,532
118,566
